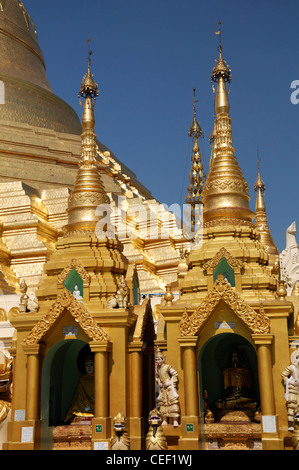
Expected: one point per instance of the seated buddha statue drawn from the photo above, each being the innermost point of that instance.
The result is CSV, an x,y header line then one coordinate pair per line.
x,y
83,401
237,385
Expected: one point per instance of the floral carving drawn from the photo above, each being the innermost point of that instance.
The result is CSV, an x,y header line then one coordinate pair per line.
x,y
185,325
66,301
258,322
223,253
232,183
228,222
74,264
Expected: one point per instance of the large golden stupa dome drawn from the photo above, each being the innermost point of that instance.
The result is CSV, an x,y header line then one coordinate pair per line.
x,y
28,97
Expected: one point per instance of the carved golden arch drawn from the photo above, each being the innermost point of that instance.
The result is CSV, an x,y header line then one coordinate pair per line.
x,y
66,301
74,264
236,264
257,322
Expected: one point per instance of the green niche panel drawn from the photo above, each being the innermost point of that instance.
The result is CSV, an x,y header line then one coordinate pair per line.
x,y
135,291
227,271
72,281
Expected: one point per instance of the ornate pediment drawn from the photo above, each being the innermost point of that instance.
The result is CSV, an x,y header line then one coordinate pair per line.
x,y
66,301
74,264
257,322
236,264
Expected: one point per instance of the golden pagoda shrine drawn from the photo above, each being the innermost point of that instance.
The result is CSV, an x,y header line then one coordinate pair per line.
x,y
231,336
89,364
81,352
41,134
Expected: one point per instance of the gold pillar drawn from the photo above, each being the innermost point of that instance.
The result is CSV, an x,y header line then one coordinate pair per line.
x,y
101,423
32,382
190,381
135,396
190,425
270,436
101,391
264,358
135,380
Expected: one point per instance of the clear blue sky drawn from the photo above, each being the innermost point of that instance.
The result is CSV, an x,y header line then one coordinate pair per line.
x,y
147,58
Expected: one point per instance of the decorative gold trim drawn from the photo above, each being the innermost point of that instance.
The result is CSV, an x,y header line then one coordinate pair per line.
x,y
74,264
223,253
185,325
66,301
258,322
226,222
3,314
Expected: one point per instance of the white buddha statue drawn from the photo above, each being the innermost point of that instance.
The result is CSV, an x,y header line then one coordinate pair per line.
x,y
77,293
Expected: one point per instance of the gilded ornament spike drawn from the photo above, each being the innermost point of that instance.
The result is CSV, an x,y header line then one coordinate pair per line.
x,y
196,175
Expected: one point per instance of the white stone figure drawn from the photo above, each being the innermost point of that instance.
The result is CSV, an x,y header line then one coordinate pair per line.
x,y
33,305
290,377
289,259
77,293
121,299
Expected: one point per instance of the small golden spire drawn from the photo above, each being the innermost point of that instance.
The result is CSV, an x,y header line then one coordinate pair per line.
x,y
88,191
196,175
225,195
261,216
260,188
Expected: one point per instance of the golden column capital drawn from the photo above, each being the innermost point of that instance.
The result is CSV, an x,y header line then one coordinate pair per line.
x,y
265,339
188,341
31,349
100,346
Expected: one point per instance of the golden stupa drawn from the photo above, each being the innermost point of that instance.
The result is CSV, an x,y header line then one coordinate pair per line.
x,y
39,153
95,367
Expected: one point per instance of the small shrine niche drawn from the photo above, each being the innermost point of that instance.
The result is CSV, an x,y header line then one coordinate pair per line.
x,y
74,284
226,270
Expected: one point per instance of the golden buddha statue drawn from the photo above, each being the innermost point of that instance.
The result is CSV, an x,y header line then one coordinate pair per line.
x,y
83,402
237,379
237,385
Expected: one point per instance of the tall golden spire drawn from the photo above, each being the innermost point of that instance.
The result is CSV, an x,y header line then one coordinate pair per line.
x,y
88,191
225,195
196,175
261,216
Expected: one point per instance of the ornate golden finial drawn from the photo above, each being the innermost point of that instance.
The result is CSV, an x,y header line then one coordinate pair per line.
x,y
195,129
196,176
168,295
221,69
281,291
88,85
